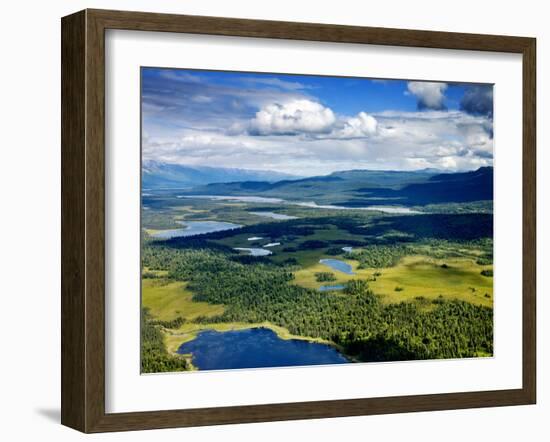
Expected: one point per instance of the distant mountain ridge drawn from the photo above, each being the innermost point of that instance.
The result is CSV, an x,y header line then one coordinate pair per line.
x,y
369,187
156,174
460,187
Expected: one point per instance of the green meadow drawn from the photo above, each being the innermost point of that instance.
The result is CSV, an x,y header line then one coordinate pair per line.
x,y
168,300
413,277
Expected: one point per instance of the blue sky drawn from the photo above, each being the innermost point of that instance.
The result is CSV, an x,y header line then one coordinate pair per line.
x,y
308,125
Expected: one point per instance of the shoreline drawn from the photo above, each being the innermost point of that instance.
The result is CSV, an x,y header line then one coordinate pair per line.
x,y
173,339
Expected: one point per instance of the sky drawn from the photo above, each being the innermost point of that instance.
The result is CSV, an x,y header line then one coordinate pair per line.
x,y
309,125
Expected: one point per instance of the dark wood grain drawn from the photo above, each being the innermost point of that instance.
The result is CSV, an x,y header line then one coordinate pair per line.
x,y
95,221
529,220
145,21
73,253
83,219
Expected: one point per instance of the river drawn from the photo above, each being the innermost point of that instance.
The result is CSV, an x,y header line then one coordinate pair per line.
x,y
310,204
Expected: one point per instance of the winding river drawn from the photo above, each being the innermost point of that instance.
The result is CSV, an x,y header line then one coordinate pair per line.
x,y
274,215
310,204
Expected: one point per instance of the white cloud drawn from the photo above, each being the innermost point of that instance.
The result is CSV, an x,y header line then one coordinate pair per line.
x,y
452,140
306,117
429,95
362,125
293,117
476,137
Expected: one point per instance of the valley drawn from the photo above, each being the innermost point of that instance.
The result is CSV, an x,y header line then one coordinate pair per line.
x,y
372,265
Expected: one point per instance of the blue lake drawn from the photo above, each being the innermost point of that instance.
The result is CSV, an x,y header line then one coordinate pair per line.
x,y
255,348
193,228
338,265
328,288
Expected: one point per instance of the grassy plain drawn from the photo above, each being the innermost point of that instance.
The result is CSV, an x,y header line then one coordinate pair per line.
x,y
167,300
416,276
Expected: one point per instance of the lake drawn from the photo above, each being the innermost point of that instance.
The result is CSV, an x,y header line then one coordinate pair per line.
x,y
274,215
255,348
338,265
254,251
328,288
193,228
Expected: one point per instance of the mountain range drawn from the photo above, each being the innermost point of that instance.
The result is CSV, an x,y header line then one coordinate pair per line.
x,y
350,188
156,174
441,188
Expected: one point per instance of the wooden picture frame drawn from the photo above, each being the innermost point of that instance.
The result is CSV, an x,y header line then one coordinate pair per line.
x,y
83,220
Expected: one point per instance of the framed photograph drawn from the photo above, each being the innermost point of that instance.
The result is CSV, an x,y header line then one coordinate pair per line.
x,y
268,220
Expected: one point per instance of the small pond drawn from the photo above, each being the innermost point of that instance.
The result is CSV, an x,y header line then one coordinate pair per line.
x,y
329,288
254,251
339,266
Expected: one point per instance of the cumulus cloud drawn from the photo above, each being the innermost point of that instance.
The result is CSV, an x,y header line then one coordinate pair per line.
x,y
428,95
307,118
362,125
478,100
293,117
452,140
